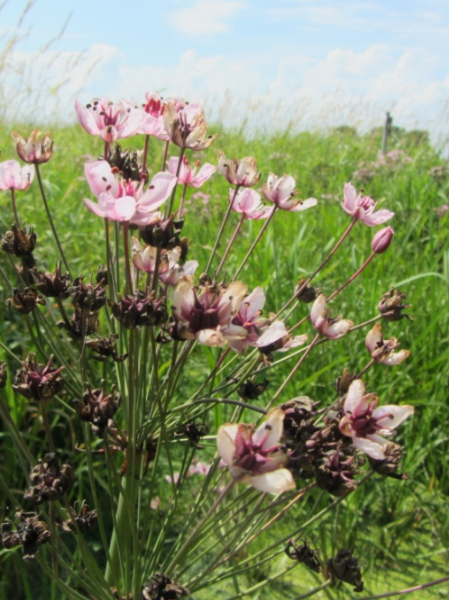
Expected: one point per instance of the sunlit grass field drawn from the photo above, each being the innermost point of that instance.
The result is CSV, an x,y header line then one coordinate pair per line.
x,y
398,529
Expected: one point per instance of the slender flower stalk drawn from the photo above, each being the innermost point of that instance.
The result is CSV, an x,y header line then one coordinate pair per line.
x,y
222,227
254,244
50,220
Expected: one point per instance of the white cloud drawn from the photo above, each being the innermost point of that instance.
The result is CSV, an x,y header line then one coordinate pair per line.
x,y
295,92
206,17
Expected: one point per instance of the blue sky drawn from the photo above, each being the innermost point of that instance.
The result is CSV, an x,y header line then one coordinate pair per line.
x,y
282,63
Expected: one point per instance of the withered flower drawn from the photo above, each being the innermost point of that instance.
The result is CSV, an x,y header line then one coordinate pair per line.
x,y
21,243
251,390
49,480
38,382
346,567
391,306
343,382
139,310
243,173
304,554
88,296
382,350
82,521
26,300
193,432
33,150
335,473
30,534
81,324
105,347
98,408
52,285
162,587
128,164
163,233
390,464
306,293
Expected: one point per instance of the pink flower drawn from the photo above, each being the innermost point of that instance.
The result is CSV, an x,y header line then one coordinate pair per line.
x,y
255,457
15,177
249,203
383,351
186,125
126,200
363,208
109,120
328,326
281,191
188,175
366,424
242,172
206,313
153,123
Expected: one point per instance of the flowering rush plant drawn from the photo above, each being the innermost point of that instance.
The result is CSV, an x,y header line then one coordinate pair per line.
x,y
167,441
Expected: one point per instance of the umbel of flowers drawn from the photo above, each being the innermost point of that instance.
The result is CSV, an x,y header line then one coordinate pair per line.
x,y
147,361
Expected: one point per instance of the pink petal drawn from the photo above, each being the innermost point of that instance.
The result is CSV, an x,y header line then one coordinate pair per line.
x,y
395,358
160,188
275,482
369,447
205,173
304,205
337,329
390,416
226,441
100,178
86,119
354,396
318,312
94,208
377,218
350,197
270,432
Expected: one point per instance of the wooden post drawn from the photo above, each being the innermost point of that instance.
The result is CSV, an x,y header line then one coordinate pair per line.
x,y
387,132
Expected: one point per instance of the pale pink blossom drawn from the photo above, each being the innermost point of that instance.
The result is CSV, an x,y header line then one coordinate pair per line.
x,y
126,200
249,203
186,125
366,424
363,208
332,328
383,351
256,457
109,120
206,313
281,191
15,177
188,175
242,172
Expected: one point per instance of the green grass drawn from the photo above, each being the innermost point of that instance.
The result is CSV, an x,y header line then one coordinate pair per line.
x,y
399,528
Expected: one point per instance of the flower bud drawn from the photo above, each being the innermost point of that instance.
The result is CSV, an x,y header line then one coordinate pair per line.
x,y
382,240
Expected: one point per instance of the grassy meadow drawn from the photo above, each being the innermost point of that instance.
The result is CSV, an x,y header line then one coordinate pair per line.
x,y
398,528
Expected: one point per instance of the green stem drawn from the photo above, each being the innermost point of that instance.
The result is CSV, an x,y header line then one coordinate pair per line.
x,y
223,225
254,244
47,209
